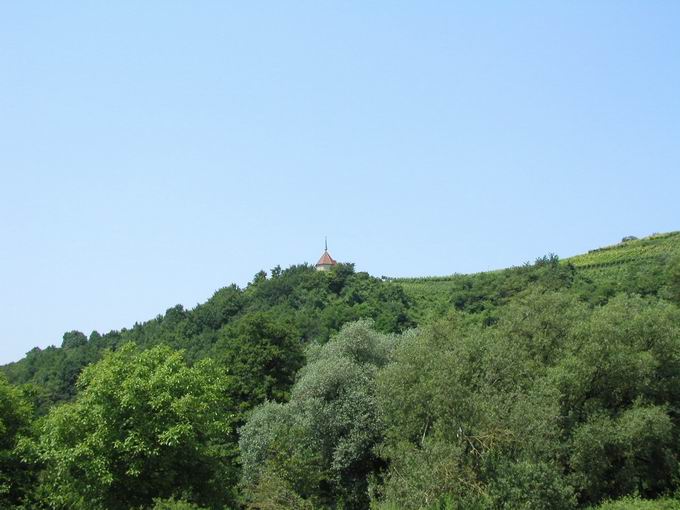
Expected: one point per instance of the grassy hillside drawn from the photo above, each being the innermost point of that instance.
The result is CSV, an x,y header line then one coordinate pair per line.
x,y
654,246
634,266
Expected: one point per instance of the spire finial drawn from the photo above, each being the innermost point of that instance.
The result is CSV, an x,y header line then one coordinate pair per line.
x,y
325,243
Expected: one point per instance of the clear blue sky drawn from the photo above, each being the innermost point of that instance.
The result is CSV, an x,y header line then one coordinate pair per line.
x,y
152,152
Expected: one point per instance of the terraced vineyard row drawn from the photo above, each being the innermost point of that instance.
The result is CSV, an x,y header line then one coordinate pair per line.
x,y
617,263
630,251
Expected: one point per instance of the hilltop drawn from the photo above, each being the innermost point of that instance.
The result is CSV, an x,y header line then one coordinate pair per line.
x,y
311,306
633,265
550,385
288,307
629,251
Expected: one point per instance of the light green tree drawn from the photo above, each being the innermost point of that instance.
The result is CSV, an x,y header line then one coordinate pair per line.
x,y
144,425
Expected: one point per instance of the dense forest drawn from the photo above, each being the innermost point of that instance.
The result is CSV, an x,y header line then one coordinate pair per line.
x,y
553,385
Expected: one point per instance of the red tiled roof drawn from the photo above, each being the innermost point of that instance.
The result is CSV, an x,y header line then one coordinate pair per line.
x,y
326,260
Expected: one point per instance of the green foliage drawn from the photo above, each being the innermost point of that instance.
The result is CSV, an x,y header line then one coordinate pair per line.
x,y
551,385
309,305
174,504
620,379
632,503
144,425
52,372
552,404
263,352
73,339
644,266
632,250
483,293
272,491
15,417
673,279
317,449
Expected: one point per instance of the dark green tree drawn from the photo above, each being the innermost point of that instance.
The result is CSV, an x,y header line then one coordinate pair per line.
x,y
553,405
673,279
15,419
262,351
73,339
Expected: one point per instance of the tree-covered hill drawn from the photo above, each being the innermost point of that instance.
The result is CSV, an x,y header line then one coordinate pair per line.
x,y
554,385
310,305
282,311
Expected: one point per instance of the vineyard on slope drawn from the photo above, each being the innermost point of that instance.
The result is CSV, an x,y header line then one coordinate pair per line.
x,y
613,263
629,251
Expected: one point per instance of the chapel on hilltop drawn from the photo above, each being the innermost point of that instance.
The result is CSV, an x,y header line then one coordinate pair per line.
x,y
326,262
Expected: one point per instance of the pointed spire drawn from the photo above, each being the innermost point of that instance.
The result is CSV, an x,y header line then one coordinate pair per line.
x,y
326,261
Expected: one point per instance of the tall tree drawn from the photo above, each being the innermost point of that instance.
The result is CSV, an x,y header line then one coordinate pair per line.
x,y
317,450
143,426
15,416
